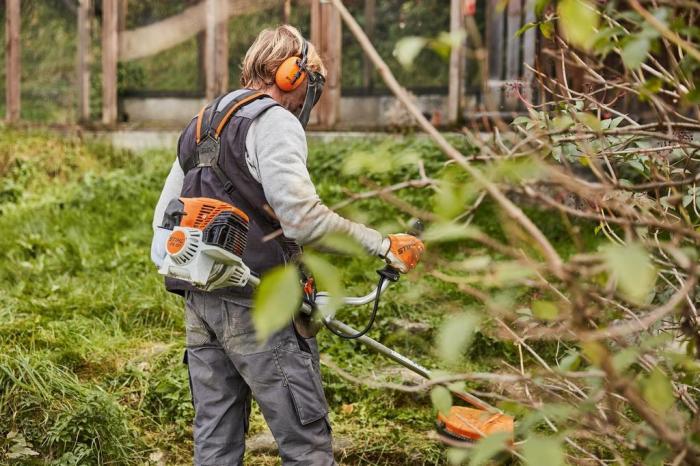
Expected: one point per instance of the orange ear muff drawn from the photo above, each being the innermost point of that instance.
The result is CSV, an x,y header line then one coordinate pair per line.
x,y
288,76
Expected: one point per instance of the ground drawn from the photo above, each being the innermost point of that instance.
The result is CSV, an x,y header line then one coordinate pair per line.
x,y
91,344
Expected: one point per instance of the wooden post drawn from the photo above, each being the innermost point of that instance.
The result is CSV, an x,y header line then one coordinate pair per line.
x,y
326,35
512,42
123,10
216,48
457,61
84,59
13,70
110,51
286,11
370,20
494,45
528,49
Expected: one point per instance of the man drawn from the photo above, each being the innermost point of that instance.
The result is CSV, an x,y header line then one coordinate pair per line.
x,y
259,165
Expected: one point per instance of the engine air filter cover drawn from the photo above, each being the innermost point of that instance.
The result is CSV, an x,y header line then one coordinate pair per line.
x,y
182,244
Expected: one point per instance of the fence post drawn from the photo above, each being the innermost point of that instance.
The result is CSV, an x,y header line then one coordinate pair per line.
x,y
326,35
457,61
110,53
286,11
84,58
216,48
529,43
13,70
494,45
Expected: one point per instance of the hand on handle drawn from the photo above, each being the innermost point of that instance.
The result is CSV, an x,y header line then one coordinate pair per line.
x,y
402,251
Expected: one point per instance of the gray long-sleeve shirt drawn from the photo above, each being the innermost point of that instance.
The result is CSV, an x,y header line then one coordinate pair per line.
x,y
276,154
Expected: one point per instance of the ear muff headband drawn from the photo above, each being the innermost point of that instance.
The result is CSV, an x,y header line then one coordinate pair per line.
x,y
292,72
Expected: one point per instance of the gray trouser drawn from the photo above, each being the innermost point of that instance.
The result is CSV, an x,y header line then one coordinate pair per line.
x,y
227,365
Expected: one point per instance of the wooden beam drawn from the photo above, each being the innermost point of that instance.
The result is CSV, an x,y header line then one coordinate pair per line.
x,y
216,48
13,70
457,60
110,41
84,58
370,21
176,29
326,35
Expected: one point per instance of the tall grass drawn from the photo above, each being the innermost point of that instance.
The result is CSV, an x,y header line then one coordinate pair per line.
x,y
91,344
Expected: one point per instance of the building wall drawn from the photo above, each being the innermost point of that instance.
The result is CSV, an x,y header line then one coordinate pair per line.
x,y
356,112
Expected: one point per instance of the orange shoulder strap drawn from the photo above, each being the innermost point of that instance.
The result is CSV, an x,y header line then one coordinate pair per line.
x,y
246,98
231,109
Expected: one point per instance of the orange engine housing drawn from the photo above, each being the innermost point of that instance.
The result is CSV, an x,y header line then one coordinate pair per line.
x,y
200,211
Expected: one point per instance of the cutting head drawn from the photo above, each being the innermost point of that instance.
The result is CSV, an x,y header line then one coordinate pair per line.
x,y
466,423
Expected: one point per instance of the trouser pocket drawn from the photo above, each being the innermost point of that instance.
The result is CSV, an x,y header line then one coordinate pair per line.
x,y
304,385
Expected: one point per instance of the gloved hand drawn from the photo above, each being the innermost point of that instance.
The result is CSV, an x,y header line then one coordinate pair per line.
x,y
402,251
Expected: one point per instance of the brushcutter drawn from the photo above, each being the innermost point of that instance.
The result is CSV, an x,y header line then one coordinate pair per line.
x,y
204,246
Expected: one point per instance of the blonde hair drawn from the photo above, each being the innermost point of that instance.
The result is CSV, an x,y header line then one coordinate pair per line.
x,y
270,49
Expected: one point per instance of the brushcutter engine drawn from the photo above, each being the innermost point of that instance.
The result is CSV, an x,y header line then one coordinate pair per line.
x,y
206,243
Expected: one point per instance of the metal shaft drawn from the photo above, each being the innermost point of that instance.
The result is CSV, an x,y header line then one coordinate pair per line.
x,y
375,345
407,363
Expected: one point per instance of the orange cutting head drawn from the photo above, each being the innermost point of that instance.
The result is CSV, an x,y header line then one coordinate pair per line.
x,y
473,424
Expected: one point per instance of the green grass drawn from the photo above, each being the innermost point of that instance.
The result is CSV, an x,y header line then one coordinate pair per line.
x,y
91,344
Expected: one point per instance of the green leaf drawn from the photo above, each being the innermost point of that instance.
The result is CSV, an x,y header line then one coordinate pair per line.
x,y
571,361
445,41
276,301
635,51
328,278
658,391
547,29
441,398
446,232
692,97
594,352
589,120
540,451
579,21
457,456
455,335
488,447
625,358
545,310
525,28
341,243
631,266
520,120
408,48
555,412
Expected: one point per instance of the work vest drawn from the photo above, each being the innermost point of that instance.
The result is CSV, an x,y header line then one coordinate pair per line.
x,y
212,154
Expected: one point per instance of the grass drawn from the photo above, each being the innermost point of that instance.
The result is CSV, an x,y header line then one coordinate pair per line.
x,y
91,344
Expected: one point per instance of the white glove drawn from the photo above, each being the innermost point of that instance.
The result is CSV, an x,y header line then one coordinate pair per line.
x,y
158,253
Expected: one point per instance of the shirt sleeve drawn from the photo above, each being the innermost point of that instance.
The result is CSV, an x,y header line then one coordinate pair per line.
x,y
277,153
171,189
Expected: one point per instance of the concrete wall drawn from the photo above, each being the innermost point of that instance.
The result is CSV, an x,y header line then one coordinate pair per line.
x,y
356,112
